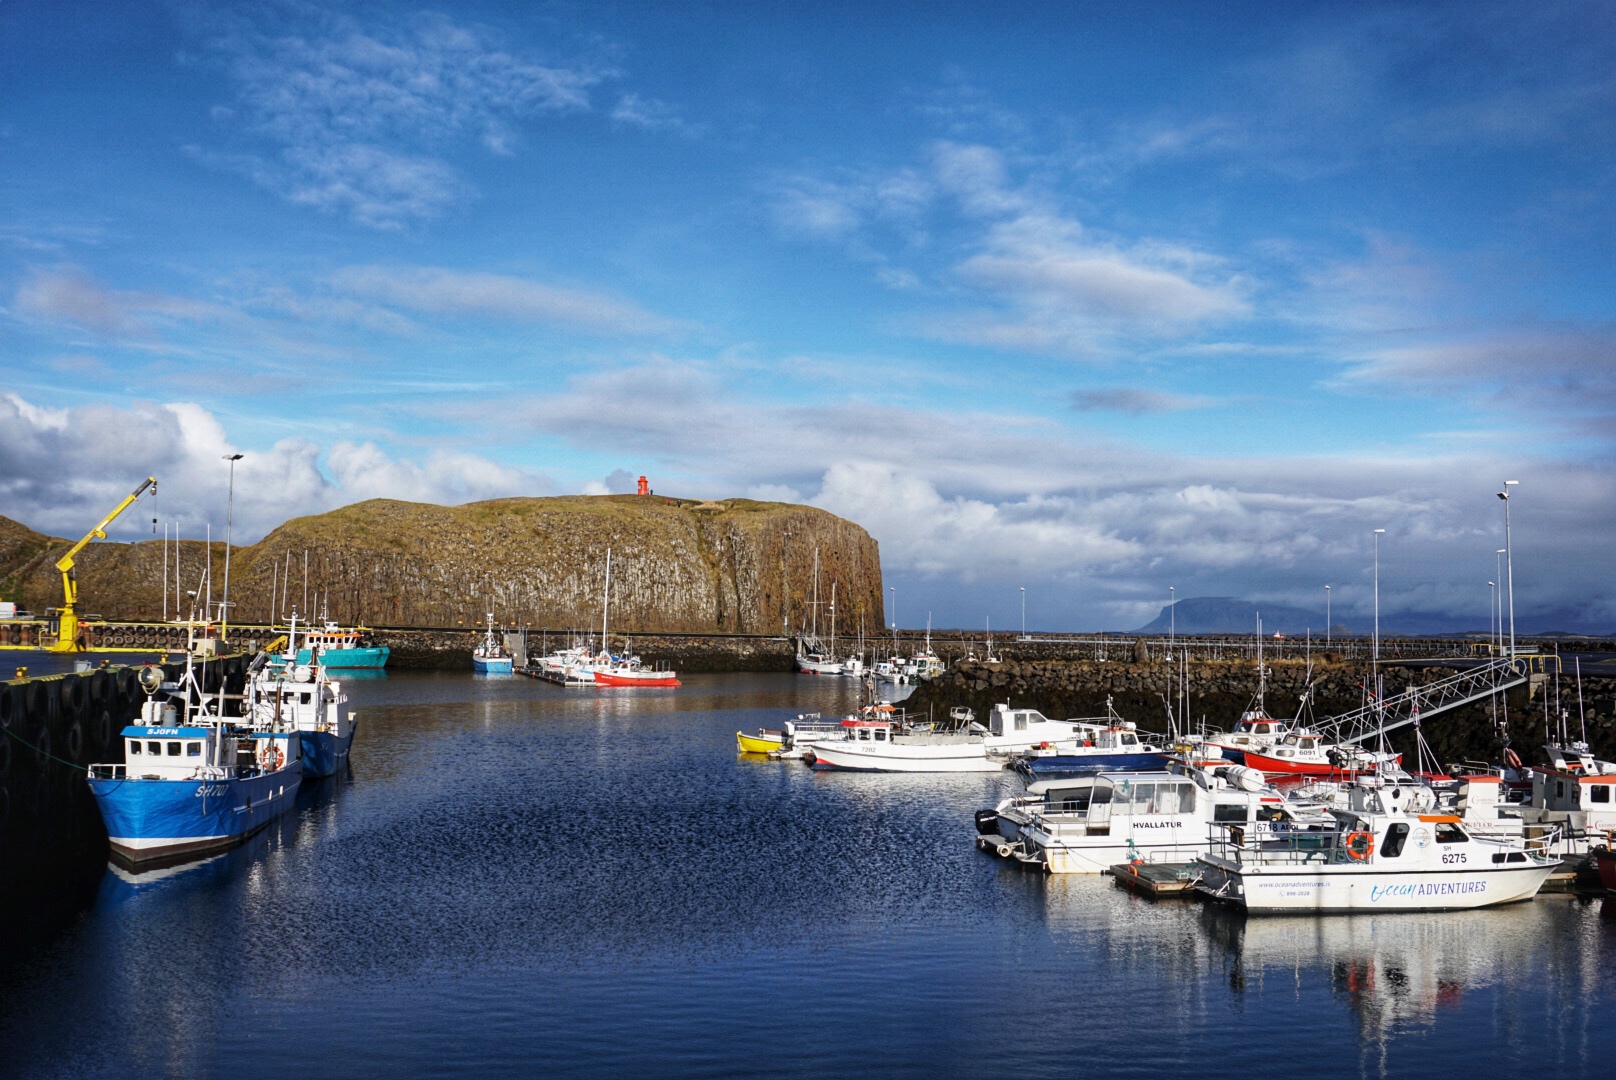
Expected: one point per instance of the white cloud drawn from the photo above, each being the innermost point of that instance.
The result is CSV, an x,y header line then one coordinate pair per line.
x,y
61,470
360,116
634,110
1033,279
955,496
458,293
1133,400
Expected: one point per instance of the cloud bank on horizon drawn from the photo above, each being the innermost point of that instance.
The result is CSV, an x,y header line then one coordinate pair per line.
x,y
1084,301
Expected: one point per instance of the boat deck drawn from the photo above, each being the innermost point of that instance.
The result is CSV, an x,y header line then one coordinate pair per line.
x,y
1158,879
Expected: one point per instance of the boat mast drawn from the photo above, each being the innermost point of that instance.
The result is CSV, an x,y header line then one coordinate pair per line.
x,y
814,618
832,653
1262,674
605,603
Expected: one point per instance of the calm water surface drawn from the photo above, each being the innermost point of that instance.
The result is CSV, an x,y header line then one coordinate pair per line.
x,y
523,881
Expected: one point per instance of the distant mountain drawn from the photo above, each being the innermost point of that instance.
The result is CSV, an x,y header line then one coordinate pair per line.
x,y
1232,615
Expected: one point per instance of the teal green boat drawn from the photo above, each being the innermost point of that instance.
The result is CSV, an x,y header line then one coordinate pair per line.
x,y
333,646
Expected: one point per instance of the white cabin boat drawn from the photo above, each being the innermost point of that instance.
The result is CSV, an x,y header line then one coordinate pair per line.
x,y
872,745
1380,855
1087,824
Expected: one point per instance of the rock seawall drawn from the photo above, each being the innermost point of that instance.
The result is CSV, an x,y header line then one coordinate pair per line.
x,y
1219,692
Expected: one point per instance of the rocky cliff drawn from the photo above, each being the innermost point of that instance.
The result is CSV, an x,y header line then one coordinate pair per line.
x,y
677,565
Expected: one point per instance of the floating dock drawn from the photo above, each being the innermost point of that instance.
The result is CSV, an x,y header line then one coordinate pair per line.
x,y
1158,879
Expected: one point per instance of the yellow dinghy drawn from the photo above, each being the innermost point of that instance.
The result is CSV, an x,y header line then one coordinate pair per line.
x,y
763,742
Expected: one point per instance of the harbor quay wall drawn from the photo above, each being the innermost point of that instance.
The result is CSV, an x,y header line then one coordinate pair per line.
x,y
449,648
1220,690
53,845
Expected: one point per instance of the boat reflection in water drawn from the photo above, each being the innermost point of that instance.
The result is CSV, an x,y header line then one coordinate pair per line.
x,y
314,808
1399,972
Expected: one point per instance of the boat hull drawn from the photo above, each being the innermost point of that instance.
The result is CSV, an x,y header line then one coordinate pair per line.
x,y
649,678
492,665
757,744
148,820
1605,863
325,754
1097,858
883,757
1340,888
1055,765
1278,766
347,658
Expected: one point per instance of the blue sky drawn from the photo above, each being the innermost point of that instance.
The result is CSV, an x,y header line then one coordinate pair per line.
x,y
1094,299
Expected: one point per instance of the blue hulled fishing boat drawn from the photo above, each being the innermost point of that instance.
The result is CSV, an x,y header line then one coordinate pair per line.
x,y
193,780
491,657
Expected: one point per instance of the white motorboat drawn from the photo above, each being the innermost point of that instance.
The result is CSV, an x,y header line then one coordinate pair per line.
x,y
873,744
1087,824
310,702
1379,855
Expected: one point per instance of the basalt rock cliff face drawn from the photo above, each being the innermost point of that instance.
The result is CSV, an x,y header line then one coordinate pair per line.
x,y
677,565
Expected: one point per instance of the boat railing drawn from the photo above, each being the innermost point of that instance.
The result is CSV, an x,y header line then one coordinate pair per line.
x,y
1068,812
1539,847
109,771
1260,843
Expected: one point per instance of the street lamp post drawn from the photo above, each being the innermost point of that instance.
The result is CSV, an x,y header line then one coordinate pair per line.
x,y
1509,565
1024,613
229,518
1172,617
1327,616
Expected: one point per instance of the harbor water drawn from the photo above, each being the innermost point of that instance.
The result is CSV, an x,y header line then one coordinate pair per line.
x,y
521,880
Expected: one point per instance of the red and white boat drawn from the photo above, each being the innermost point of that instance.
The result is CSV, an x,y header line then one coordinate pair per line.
x,y
1301,752
628,671
609,670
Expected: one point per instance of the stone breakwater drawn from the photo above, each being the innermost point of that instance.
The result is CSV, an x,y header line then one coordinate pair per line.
x,y
449,649
1219,692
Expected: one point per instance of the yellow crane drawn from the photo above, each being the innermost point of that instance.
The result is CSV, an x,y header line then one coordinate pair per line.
x,y
67,632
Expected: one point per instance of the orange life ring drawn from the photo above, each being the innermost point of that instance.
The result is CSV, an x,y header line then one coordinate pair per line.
x,y
1511,758
1360,845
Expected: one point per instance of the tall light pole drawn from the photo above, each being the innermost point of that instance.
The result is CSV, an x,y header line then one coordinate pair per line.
x,y
229,517
1172,617
1024,613
1327,616
1509,565
1374,662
